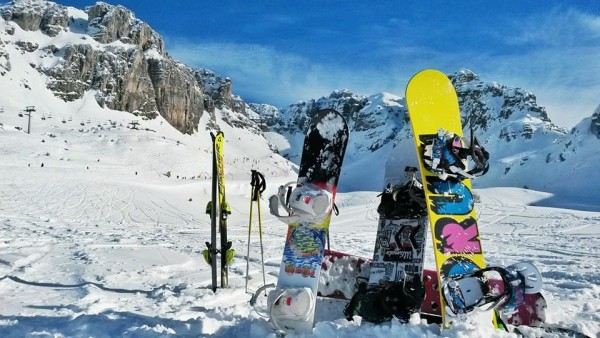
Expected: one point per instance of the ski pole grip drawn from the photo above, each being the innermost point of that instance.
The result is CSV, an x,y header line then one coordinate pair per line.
x,y
253,177
262,183
258,184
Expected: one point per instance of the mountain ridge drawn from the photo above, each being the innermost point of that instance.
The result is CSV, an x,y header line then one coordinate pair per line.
x,y
109,53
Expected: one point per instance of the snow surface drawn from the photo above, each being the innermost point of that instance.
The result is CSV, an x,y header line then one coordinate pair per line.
x,y
100,242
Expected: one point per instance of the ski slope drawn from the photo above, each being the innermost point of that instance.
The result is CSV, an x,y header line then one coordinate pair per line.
x,y
101,242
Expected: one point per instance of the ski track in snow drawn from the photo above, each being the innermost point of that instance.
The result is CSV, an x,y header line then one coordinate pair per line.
x,y
561,243
128,235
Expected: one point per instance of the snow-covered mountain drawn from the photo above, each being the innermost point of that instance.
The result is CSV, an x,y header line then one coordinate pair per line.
x,y
526,148
106,50
102,72
63,60
104,182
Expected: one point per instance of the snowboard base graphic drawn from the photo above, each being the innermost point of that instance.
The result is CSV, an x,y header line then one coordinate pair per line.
x,y
292,303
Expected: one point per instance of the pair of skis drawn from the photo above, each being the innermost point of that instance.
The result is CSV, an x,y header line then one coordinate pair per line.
x,y
218,209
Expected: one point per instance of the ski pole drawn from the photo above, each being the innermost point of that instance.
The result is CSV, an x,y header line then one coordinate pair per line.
x,y
261,187
258,185
252,192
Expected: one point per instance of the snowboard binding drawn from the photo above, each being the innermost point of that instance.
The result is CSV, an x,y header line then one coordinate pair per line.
x,y
386,300
290,304
307,202
464,293
447,155
403,201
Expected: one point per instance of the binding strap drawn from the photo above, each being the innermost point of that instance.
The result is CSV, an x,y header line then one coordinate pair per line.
x,y
381,303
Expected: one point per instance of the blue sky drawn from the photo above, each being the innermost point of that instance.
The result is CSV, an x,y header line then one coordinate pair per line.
x,y
280,52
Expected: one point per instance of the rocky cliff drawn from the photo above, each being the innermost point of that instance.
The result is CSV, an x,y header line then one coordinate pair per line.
x,y
122,59
595,123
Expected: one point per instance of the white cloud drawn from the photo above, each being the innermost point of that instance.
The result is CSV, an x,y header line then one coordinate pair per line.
x,y
277,77
559,27
554,55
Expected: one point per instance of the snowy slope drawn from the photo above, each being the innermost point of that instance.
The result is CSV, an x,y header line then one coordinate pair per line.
x,y
133,245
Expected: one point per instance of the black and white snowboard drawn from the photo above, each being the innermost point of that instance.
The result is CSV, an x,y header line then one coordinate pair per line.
x,y
395,283
307,206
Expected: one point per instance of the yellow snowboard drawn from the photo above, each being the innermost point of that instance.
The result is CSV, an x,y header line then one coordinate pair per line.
x,y
433,105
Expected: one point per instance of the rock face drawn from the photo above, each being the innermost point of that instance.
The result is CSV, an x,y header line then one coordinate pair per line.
x,y
107,23
32,15
219,94
479,102
297,116
496,111
123,60
595,125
